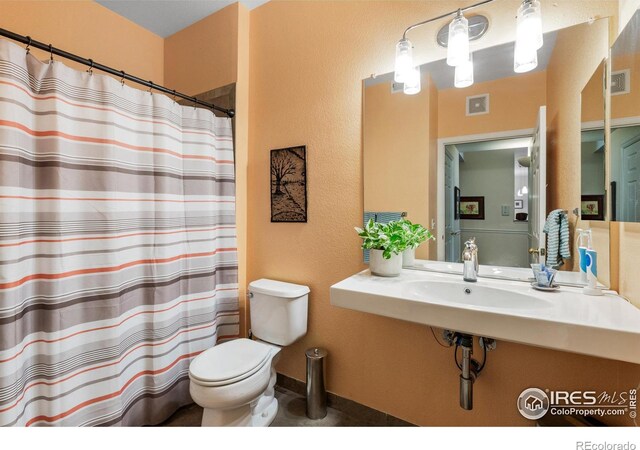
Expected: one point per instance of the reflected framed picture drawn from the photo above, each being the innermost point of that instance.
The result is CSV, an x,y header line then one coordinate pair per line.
x,y
592,207
472,208
517,204
456,202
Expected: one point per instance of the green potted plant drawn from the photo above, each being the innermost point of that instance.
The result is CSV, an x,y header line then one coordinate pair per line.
x,y
413,235
386,244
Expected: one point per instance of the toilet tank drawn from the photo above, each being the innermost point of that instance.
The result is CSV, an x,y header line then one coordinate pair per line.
x,y
278,311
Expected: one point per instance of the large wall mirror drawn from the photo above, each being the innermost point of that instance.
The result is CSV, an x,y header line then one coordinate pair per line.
x,y
625,124
472,162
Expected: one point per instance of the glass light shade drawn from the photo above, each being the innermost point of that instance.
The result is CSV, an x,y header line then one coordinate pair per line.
x,y
529,29
404,60
412,84
464,74
458,44
525,190
525,58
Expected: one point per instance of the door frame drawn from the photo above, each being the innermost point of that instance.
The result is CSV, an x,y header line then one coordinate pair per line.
x,y
442,143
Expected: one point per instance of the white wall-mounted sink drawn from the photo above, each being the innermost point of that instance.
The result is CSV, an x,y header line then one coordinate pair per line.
x,y
473,296
566,319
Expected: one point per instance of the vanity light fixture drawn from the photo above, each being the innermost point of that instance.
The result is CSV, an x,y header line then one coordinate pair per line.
x,y
458,45
404,60
528,36
529,40
412,83
464,73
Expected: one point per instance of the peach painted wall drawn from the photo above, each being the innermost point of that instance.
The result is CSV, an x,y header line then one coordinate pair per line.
x,y
204,55
627,105
513,105
209,54
592,98
307,62
402,155
577,54
89,30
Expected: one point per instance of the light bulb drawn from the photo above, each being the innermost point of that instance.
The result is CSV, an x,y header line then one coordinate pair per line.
x,y
412,83
404,60
458,44
529,30
525,58
464,74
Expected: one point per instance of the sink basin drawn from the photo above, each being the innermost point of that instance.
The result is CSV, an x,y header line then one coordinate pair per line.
x,y
472,295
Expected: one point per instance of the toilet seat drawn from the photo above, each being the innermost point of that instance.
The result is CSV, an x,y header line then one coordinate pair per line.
x,y
229,362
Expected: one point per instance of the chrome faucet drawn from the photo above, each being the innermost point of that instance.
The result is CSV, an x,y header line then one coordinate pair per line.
x,y
470,260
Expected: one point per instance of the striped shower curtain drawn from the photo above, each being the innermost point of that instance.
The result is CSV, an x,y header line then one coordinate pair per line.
x,y
118,260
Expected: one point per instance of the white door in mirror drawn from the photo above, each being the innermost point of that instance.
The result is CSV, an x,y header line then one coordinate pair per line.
x,y
538,188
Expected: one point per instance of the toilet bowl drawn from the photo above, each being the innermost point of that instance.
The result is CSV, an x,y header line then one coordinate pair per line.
x,y
232,392
234,381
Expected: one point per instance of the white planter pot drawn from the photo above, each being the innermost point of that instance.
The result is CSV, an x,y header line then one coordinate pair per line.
x,y
385,267
409,257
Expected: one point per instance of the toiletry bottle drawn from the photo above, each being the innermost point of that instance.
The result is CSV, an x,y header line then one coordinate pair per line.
x,y
584,244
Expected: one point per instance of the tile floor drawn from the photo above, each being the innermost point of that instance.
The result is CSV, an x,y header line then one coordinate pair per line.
x,y
291,413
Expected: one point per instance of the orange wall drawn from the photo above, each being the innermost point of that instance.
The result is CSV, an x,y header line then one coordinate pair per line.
x,y
204,55
513,105
89,30
627,105
305,88
402,156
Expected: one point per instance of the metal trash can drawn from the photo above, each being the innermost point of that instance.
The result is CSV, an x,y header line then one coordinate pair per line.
x,y
316,393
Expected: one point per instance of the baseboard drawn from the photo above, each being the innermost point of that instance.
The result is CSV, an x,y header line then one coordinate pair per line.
x,y
371,416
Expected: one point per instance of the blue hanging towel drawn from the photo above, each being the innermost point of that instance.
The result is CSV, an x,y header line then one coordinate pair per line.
x,y
557,231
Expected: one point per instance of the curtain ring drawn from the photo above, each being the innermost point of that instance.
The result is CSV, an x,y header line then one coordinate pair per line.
x,y
90,71
150,87
122,79
51,53
28,44
174,96
195,102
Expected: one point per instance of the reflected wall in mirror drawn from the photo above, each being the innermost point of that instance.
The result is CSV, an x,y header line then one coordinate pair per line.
x,y
487,140
625,124
593,148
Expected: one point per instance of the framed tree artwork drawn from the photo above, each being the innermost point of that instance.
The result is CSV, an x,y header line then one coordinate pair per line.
x,y
472,208
289,184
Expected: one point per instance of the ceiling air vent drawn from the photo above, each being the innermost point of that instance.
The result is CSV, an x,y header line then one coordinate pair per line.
x,y
620,82
478,104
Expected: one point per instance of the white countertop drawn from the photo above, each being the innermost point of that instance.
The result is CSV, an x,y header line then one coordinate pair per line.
x,y
606,326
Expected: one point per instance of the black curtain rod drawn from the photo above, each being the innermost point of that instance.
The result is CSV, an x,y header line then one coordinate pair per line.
x,y
119,73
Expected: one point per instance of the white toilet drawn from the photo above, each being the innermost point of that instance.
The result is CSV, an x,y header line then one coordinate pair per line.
x,y
234,381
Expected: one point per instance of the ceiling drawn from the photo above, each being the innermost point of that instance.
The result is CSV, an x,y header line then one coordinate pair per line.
x,y
166,17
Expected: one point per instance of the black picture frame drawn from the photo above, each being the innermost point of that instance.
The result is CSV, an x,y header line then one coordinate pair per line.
x,y
456,202
592,207
471,214
518,204
288,184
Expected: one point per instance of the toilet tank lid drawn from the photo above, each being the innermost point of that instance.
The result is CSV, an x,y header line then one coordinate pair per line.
x,y
278,288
